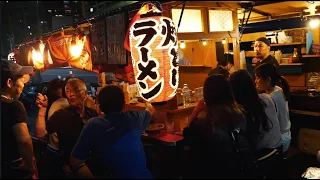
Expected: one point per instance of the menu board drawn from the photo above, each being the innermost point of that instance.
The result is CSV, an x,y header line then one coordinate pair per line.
x,y
98,40
116,32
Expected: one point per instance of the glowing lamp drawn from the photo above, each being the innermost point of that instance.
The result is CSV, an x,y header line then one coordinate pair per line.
x,y
204,42
37,55
314,23
76,47
182,45
154,54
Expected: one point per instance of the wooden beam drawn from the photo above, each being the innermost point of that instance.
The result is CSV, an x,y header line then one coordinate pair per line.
x,y
208,4
197,36
260,12
235,42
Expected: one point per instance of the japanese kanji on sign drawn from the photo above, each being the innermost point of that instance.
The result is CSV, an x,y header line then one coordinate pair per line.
x,y
154,51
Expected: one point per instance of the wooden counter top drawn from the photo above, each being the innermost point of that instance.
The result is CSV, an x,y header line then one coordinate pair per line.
x,y
309,113
164,108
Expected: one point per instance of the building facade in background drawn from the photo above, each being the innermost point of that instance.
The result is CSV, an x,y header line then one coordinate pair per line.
x,y
24,20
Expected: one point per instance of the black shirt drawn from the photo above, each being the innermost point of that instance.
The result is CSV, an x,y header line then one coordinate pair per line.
x,y
12,113
269,60
68,125
219,70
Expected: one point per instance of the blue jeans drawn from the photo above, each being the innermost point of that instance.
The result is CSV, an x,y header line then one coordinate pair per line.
x,y
286,139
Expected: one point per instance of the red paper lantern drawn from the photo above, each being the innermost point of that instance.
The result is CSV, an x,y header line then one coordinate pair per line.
x,y
154,52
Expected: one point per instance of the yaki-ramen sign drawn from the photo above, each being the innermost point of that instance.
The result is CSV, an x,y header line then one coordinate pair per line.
x,y
154,51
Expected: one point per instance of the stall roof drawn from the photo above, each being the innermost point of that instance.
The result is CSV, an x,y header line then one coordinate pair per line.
x,y
278,10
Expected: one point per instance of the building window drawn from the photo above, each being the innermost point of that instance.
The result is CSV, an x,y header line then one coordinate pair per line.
x,y
68,11
49,11
66,2
190,16
43,22
220,20
30,33
76,15
75,2
91,9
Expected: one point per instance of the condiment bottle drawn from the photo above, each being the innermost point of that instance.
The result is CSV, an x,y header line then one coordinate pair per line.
x,y
295,56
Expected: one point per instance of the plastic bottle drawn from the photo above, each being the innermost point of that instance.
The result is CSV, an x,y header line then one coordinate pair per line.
x,y
70,74
186,95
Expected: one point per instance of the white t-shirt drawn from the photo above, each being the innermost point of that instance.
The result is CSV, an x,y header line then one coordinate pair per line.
x,y
282,108
271,138
58,104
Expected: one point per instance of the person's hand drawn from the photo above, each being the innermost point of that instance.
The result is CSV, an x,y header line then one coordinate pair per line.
x,y
201,105
150,108
42,101
87,102
31,170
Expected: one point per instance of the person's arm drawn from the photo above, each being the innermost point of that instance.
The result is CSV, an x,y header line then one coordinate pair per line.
x,y
81,152
25,147
150,108
40,128
22,136
200,107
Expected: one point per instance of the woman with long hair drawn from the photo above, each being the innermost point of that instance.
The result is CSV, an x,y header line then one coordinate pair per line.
x,y
210,134
267,78
262,123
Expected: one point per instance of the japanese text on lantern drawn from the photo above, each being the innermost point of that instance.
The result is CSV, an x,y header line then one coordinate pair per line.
x,y
154,51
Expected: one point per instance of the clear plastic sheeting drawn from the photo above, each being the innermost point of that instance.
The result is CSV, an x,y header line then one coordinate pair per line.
x,y
312,173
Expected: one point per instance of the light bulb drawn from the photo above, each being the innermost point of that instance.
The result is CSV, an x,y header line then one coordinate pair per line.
x,y
182,45
204,42
223,41
76,50
314,23
36,56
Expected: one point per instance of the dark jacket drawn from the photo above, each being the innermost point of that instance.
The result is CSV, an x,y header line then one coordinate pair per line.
x,y
219,70
213,150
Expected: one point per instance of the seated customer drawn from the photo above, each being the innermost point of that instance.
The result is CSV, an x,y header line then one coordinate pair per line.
x,y
113,140
212,135
267,78
222,68
261,117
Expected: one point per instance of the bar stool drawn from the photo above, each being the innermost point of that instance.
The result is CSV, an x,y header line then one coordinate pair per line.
x,y
266,163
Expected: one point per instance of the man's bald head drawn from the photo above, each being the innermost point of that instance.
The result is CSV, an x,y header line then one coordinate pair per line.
x,y
77,83
76,91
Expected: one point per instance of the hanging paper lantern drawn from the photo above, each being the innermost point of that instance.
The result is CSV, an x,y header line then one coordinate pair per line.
x,y
154,52
36,55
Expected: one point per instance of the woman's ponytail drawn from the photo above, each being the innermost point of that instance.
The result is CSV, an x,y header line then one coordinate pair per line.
x,y
283,83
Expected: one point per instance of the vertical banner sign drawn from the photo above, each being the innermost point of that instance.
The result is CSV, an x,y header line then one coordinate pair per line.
x,y
154,51
115,28
98,41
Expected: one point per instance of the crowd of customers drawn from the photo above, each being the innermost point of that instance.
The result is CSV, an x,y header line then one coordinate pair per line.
x,y
230,129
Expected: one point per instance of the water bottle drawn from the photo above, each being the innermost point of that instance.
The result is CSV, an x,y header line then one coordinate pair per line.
x,y
186,93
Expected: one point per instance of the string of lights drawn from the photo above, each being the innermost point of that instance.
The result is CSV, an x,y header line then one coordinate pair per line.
x,y
96,18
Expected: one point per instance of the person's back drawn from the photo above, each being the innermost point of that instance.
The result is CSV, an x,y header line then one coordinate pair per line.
x,y
272,138
117,144
216,136
113,140
282,108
